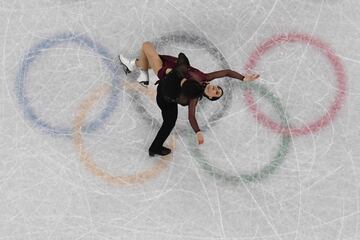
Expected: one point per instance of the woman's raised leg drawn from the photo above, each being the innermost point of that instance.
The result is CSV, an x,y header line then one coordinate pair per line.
x,y
149,58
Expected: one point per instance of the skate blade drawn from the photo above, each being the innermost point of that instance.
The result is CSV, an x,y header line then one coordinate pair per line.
x,y
144,83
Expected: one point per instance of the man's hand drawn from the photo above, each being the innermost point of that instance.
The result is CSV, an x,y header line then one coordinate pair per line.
x,y
251,77
199,137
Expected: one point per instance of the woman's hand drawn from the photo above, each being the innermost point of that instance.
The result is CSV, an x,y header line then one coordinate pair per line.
x,y
199,137
251,77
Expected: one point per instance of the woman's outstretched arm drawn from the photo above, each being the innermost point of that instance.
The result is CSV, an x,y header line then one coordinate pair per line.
x,y
230,73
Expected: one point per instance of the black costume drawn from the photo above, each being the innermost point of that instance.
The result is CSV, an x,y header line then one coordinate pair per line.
x,y
167,98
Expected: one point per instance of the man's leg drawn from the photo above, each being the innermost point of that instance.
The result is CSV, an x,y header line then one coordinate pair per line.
x,y
169,112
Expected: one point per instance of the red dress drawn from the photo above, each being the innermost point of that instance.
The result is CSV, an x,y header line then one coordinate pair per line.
x,y
192,73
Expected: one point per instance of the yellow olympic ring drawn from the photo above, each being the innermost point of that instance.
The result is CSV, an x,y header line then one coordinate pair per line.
x,y
86,158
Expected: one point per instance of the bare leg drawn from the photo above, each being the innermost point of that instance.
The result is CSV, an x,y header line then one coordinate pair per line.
x,y
149,58
142,62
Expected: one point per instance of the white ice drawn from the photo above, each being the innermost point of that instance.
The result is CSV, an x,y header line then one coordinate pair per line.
x,y
49,185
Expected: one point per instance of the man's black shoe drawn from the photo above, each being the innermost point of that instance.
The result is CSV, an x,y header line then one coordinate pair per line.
x,y
162,152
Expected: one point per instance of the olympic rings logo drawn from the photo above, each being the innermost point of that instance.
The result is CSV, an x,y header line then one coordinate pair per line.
x,y
284,129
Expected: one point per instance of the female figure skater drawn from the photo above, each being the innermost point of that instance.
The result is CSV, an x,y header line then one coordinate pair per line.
x,y
179,83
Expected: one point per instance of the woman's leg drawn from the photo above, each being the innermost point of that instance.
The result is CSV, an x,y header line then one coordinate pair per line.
x,y
149,58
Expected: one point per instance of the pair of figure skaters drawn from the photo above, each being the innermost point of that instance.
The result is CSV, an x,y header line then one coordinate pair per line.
x,y
179,83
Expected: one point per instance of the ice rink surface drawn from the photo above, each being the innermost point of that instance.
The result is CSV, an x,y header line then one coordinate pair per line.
x,y
281,158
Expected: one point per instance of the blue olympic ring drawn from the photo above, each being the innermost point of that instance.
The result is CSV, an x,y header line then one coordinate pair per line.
x,y
36,51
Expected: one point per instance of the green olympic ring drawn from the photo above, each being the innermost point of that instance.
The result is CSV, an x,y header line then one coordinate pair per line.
x,y
264,171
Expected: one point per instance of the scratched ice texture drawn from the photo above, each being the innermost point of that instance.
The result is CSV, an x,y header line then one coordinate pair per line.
x,y
281,158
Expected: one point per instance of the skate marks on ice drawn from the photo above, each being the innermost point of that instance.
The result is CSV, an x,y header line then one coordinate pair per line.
x,y
284,128
40,49
179,38
339,71
87,160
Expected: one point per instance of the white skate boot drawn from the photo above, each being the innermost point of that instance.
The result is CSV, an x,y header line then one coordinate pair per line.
x,y
144,78
130,65
127,65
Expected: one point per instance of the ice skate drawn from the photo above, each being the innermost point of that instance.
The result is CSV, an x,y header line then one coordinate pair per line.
x,y
127,65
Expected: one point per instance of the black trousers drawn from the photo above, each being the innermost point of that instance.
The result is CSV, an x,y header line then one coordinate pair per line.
x,y
169,112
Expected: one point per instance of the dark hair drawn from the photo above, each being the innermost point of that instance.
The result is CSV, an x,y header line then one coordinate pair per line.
x,y
215,98
192,89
